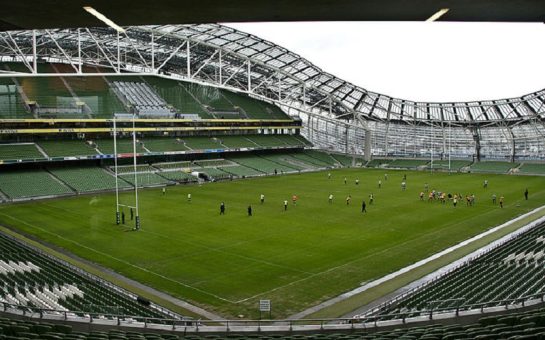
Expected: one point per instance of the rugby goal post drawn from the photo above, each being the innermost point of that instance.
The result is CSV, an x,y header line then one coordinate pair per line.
x,y
116,173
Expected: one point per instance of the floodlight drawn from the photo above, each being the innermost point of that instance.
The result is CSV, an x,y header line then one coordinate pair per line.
x,y
104,19
438,15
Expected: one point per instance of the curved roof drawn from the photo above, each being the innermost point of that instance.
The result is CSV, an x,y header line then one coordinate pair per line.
x,y
222,56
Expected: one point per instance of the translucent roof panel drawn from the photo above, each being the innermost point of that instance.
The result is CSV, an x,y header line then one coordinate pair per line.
x,y
290,71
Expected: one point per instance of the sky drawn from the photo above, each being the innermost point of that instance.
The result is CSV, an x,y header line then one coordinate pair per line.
x,y
421,61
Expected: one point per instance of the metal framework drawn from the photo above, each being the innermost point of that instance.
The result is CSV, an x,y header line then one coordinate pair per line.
x,y
336,114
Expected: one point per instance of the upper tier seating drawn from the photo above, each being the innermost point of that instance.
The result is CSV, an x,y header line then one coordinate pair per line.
x,y
20,151
66,148
143,99
92,96
12,103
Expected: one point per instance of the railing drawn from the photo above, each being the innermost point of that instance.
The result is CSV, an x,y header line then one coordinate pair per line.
x,y
479,307
471,258
283,325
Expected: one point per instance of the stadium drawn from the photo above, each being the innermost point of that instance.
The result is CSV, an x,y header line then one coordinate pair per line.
x,y
170,180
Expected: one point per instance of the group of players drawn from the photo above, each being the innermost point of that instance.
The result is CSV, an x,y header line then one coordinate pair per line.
x,y
432,195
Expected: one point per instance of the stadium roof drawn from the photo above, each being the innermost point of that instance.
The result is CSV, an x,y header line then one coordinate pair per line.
x,y
28,14
222,56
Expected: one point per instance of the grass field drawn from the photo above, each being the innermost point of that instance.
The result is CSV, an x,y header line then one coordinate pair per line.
x,y
296,258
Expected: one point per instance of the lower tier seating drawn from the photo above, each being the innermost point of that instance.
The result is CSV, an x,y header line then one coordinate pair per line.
x,y
31,183
515,269
31,278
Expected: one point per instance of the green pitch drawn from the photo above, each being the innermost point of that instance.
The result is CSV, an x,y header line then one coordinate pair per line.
x,y
296,258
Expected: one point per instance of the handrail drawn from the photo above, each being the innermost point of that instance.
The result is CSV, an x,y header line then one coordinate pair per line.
x,y
400,297
227,325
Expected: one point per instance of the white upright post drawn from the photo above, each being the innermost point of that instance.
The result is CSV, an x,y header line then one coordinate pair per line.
x,y
117,218
137,220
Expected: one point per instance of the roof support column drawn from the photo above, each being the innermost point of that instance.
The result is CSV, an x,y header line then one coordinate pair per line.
x,y
477,139
80,62
118,55
346,139
152,51
279,89
221,67
249,69
513,152
34,61
188,57
367,146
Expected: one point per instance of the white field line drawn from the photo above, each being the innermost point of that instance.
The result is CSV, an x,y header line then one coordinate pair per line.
x,y
415,265
119,260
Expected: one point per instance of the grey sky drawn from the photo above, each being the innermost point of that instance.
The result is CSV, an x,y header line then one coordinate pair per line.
x,y
420,61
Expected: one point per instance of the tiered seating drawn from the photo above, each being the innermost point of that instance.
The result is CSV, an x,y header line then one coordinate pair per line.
x,y
126,169
88,179
177,96
262,164
66,148
323,157
444,164
164,144
215,173
514,269
213,162
124,145
268,140
289,161
407,163
52,97
19,151
237,142
212,100
32,279
241,171
253,108
179,176
94,92
141,97
344,160
526,325
11,102
174,165
377,162
295,140
146,179
30,183
492,166
200,143
532,168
